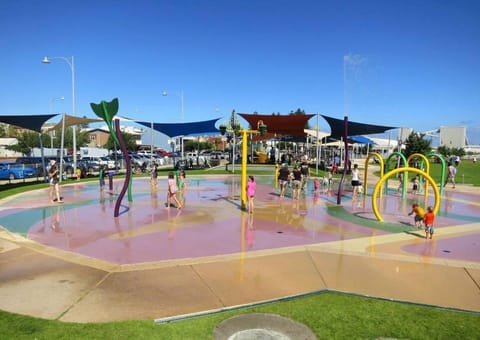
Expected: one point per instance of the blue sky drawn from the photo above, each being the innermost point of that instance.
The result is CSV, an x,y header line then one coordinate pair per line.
x,y
406,63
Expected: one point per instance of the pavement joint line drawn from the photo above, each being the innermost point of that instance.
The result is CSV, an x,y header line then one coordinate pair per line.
x,y
212,291
473,279
319,272
82,296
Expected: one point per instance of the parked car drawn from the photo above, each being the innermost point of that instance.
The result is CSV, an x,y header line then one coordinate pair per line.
x,y
182,165
33,162
15,171
88,167
164,153
108,162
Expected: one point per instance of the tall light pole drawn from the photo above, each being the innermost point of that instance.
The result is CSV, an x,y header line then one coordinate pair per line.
x,y
71,62
50,105
180,95
182,114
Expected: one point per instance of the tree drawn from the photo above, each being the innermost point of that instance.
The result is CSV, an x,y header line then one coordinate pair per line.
x,y
129,139
26,141
298,112
3,130
447,152
416,143
192,145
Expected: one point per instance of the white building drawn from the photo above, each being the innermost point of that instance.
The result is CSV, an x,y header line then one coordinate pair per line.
x,y
453,136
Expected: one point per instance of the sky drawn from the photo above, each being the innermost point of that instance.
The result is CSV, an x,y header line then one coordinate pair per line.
x,y
404,63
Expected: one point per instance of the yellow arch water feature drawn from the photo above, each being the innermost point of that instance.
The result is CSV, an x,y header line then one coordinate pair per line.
x,y
379,184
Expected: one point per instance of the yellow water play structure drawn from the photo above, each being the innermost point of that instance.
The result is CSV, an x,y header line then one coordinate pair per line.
x,y
385,174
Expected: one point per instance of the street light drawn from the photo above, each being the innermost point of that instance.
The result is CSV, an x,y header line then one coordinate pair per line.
x,y
71,62
182,116
180,95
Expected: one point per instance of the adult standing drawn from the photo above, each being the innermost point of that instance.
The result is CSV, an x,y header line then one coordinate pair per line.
x,y
297,182
54,182
451,172
305,170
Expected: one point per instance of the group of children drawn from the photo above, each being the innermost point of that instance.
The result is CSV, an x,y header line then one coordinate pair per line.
x,y
423,219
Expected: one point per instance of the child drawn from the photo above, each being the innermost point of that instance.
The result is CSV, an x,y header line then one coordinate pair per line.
x,y
428,221
400,182
316,185
79,173
182,186
330,180
419,215
355,180
415,185
153,175
172,191
251,188
101,177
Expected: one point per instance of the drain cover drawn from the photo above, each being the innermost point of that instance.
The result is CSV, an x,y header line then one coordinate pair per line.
x,y
261,326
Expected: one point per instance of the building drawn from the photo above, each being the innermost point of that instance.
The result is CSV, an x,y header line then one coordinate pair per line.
x,y
453,136
98,137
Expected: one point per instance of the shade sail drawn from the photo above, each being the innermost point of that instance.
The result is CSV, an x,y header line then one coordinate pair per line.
x,y
29,122
74,120
286,125
183,129
337,127
315,133
362,140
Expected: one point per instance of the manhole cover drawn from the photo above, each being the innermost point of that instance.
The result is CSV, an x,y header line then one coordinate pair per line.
x,y
261,326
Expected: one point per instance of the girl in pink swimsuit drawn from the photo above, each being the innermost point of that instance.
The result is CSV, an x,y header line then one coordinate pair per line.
x,y
251,188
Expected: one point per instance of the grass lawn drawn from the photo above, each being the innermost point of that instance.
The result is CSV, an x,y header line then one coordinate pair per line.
x,y
467,172
330,315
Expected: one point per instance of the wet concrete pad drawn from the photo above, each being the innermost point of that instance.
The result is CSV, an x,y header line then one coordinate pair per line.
x,y
146,294
399,280
42,286
251,279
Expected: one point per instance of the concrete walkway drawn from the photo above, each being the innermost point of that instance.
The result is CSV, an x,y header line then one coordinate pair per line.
x,y
76,263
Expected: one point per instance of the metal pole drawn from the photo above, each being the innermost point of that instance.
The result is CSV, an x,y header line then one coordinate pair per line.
x,y
74,133
316,165
233,154
244,169
61,147
44,168
151,142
